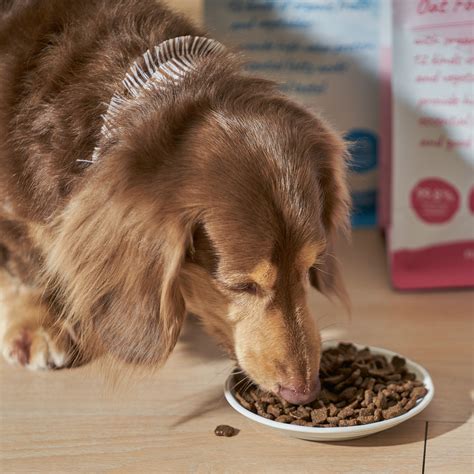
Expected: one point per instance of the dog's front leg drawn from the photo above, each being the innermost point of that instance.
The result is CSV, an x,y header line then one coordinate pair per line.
x,y
28,336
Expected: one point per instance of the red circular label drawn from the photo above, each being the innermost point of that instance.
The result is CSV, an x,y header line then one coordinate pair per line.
x,y
471,200
435,200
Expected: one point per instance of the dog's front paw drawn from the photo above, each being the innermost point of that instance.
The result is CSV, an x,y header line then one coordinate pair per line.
x,y
35,349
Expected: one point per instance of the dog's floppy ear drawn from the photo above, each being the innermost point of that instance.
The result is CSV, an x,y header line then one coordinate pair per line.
x,y
331,158
114,263
141,318
326,277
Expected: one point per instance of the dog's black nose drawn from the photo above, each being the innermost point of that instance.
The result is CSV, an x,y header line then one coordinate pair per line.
x,y
299,394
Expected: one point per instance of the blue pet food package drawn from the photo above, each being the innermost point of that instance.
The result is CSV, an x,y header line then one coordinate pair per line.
x,y
326,54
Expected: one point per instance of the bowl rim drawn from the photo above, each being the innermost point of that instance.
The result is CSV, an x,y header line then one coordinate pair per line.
x,y
380,425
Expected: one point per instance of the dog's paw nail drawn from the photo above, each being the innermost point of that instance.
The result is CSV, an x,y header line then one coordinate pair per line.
x,y
34,350
19,350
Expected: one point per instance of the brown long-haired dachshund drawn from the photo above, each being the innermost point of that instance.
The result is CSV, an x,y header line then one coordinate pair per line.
x,y
144,176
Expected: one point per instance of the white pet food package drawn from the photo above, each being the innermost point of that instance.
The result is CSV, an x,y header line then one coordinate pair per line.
x,y
431,228
325,54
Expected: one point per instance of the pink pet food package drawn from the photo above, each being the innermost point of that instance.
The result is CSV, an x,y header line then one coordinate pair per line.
x,y
430,216
325,54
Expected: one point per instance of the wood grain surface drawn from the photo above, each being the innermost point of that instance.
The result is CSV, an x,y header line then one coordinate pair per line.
x,y
80,420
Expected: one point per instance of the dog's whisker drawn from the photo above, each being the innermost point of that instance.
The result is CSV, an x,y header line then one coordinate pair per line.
x,y
246,381
241,372
319,269
336,323
248,385
234,387
333,256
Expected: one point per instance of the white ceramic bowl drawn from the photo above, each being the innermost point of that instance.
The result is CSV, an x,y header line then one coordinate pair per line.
x,y
343,433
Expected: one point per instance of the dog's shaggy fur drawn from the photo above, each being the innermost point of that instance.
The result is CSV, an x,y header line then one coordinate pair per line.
x,y
220,197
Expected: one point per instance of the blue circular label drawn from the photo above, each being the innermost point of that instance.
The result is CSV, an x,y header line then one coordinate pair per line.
x,y
363,150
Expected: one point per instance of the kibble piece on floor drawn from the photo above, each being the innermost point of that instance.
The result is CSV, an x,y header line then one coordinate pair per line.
x,y
226,430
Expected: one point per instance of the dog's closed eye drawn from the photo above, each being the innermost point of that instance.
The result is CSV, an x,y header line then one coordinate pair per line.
x,y
247,287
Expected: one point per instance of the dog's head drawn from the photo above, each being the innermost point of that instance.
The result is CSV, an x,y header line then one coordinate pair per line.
x,y
273,200
229,210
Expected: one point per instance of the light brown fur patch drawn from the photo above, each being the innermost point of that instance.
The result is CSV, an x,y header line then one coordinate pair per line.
x,y
264,274
307,256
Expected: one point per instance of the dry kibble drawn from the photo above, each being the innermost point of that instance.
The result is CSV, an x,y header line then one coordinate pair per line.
x,y
301,413
378,415
418,392
352,422
393,377
284,419
274,410
319,415
393,411
410,404
319,404
262,412
255,395
226,430
266,397
368,397
371,384
366,411
355,404
244,402
398,362
284,403
335,379
345,413
358,388
348,393
328,396
364,355
381,400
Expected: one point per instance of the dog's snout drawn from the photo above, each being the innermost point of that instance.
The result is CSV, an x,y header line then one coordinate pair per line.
x,y
300,393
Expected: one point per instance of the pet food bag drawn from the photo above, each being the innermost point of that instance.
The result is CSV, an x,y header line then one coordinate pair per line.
x,y
385,130
324,53
431,229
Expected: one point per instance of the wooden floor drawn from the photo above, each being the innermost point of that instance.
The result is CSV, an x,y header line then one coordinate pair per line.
x,y
74,420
